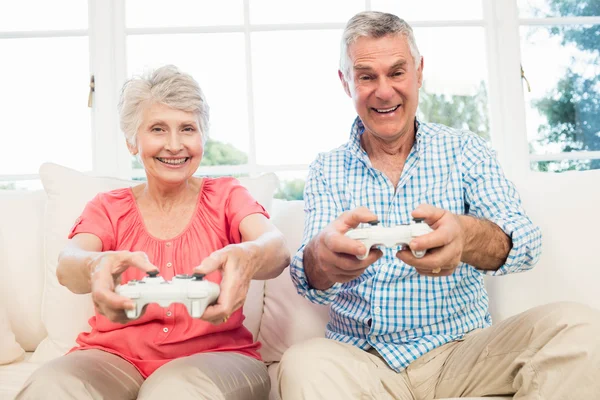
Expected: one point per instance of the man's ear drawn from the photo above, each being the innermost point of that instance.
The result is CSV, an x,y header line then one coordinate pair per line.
x,y
344,83
420,71
132,148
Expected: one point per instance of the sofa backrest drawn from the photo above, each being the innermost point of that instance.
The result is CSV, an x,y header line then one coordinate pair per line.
x,y
566,207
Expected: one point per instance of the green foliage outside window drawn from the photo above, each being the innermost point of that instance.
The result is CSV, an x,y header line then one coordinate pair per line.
x,y
572,109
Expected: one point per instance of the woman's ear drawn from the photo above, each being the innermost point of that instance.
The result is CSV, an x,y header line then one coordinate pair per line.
x,y
132,148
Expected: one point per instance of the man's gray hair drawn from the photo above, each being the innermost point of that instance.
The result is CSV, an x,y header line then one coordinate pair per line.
x,y
375,24
166,85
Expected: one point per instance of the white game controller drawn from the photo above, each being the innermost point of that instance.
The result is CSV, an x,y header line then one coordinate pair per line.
x,y
376,235
190,290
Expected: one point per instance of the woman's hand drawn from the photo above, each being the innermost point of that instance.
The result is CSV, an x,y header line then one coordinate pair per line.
x,y
105,275
238,263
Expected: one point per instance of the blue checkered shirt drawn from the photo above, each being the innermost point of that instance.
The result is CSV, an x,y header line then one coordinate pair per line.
x,y
390,307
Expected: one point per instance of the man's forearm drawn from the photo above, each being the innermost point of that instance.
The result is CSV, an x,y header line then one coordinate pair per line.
x,y
314,274
486,245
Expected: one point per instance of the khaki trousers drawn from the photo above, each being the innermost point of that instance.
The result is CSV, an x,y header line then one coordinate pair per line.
x,y
550,352
96,374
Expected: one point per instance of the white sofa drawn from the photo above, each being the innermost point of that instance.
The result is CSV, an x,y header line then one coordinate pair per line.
x,y
45,317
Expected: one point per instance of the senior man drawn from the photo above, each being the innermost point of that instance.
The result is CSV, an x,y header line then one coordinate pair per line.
x,y
419,328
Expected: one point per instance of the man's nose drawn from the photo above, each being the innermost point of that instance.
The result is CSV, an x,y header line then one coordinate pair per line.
x,y
385,90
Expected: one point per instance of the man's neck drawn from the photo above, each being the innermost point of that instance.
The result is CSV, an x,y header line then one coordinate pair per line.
x,y
388,157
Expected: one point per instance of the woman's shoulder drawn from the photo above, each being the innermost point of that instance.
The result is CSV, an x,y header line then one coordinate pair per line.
x,y
115,200
221,186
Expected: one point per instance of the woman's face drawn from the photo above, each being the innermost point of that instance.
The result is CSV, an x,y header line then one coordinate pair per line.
x,y
169,144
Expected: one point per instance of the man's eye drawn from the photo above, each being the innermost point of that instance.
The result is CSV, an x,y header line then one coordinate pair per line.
x,y
157,129
364,78
398,73
189,129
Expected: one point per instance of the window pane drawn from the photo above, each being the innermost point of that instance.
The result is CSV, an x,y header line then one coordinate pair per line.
x,y
40,15
217,62
34,184
44,101
300,106
306,11
558,8
431,10
291,185
454,91
174,13
563,107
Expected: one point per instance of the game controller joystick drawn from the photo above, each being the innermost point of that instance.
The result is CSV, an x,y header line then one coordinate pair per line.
x,y
190,290
376,235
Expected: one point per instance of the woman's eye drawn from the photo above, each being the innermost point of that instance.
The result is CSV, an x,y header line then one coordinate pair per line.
x,y
157,129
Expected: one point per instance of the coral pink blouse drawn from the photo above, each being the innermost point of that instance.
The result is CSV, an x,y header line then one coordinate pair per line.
x,y
164,334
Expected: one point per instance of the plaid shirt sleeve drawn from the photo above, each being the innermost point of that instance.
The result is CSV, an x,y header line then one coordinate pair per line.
x,y
321,207
489,195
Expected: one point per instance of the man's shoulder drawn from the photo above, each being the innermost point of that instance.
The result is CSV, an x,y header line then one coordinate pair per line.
x,y
439,132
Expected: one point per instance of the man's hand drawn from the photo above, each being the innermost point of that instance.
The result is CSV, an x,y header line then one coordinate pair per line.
x,y
330,256
238,262
445,245
106,270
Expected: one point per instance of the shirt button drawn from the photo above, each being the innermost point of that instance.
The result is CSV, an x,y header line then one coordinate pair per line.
x,y
165,330
377,310
169,265
169,313
168,244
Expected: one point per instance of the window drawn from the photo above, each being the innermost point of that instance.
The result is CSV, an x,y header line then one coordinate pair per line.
x,y
43,98
560,57
269,71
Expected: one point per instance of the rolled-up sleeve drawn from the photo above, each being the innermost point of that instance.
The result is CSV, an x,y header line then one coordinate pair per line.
x,y
320,207
490,195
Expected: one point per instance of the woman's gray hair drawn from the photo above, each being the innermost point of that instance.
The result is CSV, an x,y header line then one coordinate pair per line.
x,y
375,24
166,85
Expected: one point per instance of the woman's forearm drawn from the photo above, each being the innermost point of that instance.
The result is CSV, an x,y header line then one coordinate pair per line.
x,y
74,269
271,255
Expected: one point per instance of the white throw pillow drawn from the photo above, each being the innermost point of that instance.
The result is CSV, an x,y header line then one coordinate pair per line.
x,y
22,263
10,350
66,314
288,318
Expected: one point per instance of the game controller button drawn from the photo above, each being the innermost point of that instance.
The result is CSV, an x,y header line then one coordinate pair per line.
x,y
419,220
198,276
375,222
183,276
152,274
132,282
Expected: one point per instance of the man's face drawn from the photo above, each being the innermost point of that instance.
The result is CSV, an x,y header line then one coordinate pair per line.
x,y
384,84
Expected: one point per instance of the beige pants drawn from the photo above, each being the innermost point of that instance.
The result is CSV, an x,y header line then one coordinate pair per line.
x,y
95,374
547,353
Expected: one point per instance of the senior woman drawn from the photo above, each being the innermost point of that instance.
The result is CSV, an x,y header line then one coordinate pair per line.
x,y
177,224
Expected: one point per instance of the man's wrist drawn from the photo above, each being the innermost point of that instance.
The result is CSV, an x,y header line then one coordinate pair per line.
x,y
315,276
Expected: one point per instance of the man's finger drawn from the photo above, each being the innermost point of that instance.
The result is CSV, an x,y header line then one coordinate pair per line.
x,y
350,219
429,213
339,243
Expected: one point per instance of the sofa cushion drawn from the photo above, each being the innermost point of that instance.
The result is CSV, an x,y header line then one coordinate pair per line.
x,y
66,314
288,318
564,205
10,350
21,263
